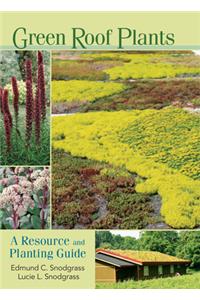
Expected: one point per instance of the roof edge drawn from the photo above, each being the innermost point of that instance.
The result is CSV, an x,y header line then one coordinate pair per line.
x,y
112,264
119,256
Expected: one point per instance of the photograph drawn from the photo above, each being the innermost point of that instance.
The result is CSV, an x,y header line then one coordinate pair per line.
x,y
25,108
24,198
125,139
147,259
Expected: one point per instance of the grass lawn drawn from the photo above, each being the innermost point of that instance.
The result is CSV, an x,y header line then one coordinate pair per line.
x,y
189,281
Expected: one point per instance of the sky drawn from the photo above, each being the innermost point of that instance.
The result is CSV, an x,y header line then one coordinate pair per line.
x,y
132,233
197,52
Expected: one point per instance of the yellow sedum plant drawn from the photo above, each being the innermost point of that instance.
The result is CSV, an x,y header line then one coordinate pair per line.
x,y
151,66
99,136
147,70
83,90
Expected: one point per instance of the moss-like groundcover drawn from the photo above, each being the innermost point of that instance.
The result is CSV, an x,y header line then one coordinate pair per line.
x,y
150,143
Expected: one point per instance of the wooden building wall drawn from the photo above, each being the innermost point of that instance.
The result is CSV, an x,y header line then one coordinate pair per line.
x,y
105,272
153,271
108,273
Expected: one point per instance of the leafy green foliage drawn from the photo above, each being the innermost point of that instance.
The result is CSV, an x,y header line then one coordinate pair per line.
x,y
114,241
189,247
161,241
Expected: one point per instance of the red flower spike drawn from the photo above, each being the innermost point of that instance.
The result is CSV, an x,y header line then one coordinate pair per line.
x,y
41,87
7,127
15,97
28,64
5,106
29,70
40,58
37,116
29,110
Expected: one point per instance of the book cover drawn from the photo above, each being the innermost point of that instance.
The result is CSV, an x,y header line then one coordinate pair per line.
x,y
99,150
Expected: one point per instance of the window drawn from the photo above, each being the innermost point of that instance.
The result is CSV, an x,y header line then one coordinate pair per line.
x,y
160,270
172,269
146,271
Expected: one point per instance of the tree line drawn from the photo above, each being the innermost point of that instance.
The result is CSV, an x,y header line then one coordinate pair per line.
x,y
183,244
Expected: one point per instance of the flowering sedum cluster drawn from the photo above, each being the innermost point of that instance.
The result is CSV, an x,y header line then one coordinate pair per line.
x,y
146,143
22,196
83,90
42,179
16,198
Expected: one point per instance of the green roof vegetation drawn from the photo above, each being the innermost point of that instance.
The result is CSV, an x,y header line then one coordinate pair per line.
x,y
146,256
